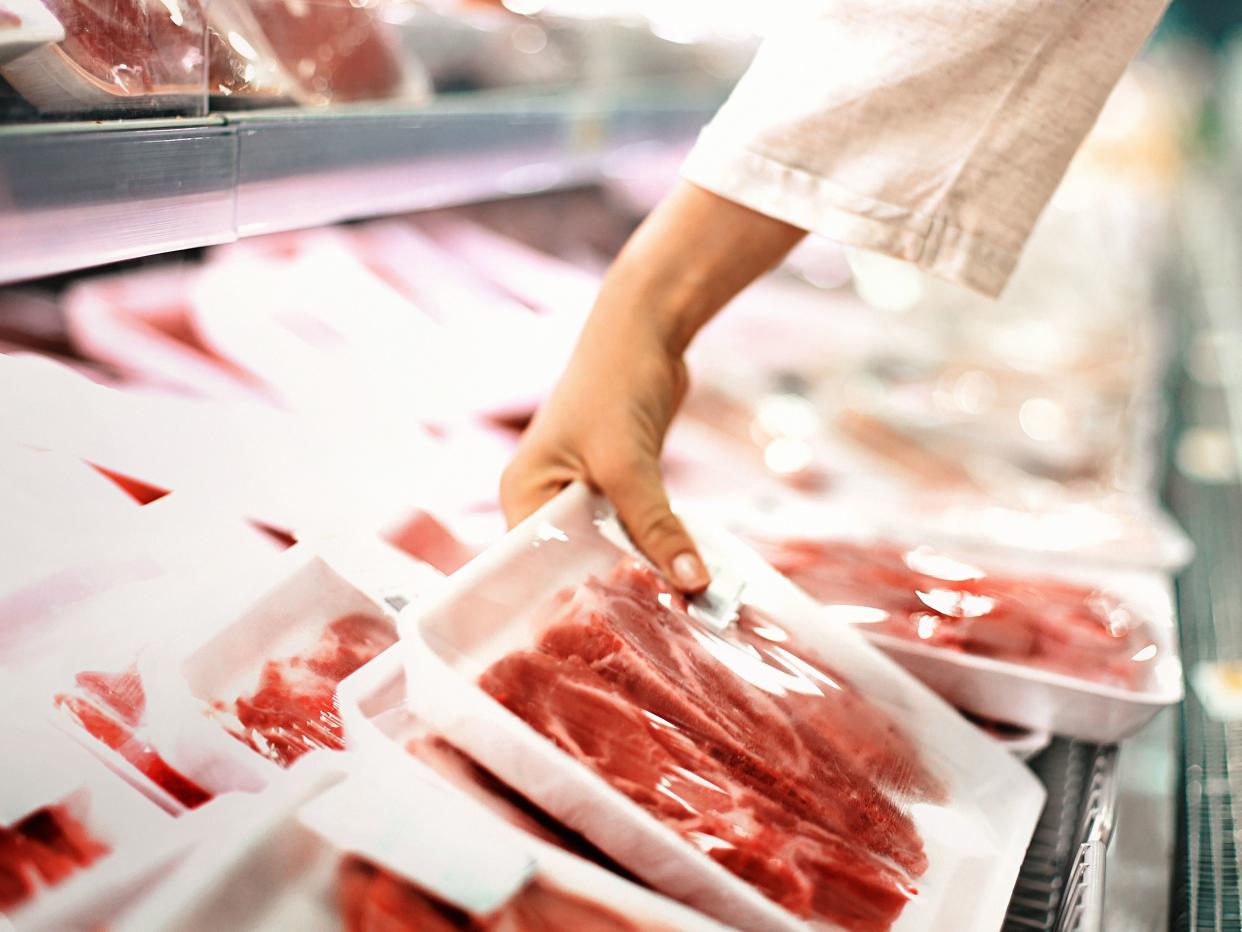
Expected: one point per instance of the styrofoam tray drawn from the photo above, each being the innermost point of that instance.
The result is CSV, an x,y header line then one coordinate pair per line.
x,y
1042,700
271,862
218,651
493,606
289,619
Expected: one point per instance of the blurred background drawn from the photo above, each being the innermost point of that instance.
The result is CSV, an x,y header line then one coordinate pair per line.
x,y
308,266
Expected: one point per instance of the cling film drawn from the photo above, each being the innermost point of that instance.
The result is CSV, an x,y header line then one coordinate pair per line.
x,y
774,771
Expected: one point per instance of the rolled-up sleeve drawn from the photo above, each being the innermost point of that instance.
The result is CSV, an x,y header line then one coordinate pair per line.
x,y
930,130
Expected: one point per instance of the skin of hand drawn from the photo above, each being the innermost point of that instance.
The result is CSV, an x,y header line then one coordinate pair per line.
x,y
606,420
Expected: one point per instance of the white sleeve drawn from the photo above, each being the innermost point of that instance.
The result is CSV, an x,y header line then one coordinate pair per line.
x,y
930,130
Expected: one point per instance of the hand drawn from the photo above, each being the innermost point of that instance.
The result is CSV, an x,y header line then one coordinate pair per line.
x,y
606,420
605,423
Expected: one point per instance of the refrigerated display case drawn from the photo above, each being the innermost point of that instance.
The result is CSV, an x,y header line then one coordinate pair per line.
x,y
74,195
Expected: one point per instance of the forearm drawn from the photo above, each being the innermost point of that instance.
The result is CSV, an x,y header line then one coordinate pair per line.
x,y
687,260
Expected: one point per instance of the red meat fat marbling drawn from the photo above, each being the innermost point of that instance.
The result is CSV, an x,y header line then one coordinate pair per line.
x,y
773,765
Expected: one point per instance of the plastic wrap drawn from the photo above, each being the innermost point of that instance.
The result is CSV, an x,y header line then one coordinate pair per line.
x,y
337,50
243,70
783,751
127,56
244,687
1086,653
139,322
386,844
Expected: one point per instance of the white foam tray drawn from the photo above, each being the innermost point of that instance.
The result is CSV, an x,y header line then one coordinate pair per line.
x,y
975,844
271,861
1041,700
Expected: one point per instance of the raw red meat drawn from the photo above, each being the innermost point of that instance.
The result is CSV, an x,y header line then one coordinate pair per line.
x,y
1059,626
373,900
110,707
775,767
294,709
336,49
135,46
41,850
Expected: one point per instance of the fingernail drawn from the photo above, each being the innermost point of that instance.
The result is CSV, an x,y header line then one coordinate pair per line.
x,y
688,571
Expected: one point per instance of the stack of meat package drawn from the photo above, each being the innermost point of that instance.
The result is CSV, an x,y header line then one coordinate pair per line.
x,y
271,659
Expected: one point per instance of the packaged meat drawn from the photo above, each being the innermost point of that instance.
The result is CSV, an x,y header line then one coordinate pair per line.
x,y
374,709
111,707
73,535
288,471
242,68
70,832
317,851
40,850
129,56
337,51
776,772
270,675
1090,654
140,323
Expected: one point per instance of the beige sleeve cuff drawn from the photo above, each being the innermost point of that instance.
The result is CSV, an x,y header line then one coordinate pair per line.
x,y
934,131
815,203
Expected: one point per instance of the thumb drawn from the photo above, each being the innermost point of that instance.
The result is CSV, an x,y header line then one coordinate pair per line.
x,y
637,492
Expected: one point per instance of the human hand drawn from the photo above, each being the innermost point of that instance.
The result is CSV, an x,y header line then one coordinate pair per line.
x,y
606,420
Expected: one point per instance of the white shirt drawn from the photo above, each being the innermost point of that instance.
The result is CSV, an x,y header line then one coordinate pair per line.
x,y
930,130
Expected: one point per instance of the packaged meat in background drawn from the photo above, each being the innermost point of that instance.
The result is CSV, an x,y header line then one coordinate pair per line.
x,y
762,764
338,51
140,323
75,842
319,852
244,686
286,471
118,57
1087,653
242,68
331,336
112,689
270,676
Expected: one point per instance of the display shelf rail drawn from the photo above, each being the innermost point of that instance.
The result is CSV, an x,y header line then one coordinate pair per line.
x,y
1205,492
76,195
1061,884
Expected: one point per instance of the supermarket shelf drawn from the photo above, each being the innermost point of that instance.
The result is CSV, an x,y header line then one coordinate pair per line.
x,y
75,195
